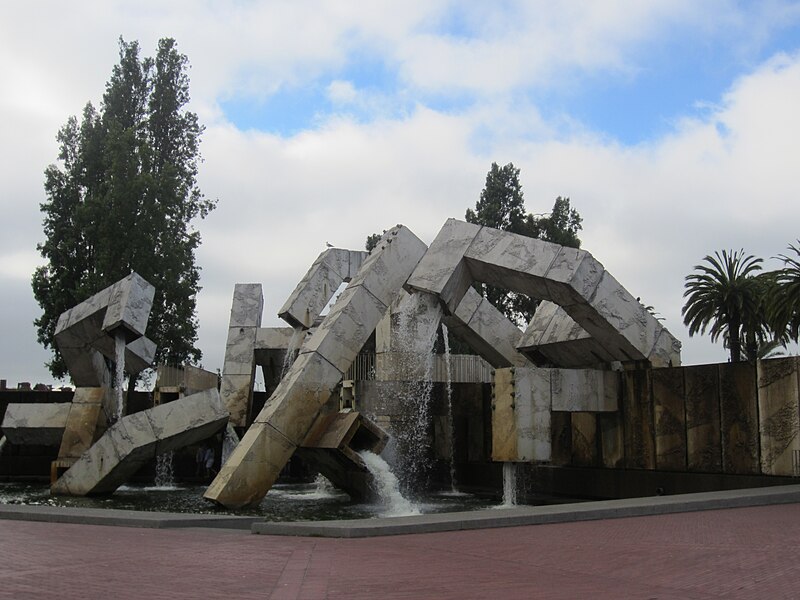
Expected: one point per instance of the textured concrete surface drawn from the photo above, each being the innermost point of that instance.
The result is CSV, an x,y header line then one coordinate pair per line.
x,y
238,371
90,328
135,439
463,252
333,267
741,553
293,407
36,423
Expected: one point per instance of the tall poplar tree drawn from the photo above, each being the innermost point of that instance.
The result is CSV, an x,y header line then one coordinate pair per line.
x,y
124,197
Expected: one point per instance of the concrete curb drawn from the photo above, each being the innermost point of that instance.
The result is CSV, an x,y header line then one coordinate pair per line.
x,y
122,518
481,519
535,515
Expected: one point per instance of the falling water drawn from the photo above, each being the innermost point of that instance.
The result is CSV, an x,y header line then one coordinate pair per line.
x,y
165,476
291,350
387,488
119,372
412,341
450,420
509,484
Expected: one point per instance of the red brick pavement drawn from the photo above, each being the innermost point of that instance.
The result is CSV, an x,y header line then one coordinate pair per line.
x,y
738,553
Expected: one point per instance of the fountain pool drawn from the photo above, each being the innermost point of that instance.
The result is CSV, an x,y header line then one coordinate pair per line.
x,y
284,502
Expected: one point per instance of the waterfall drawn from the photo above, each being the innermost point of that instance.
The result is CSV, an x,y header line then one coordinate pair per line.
x,y
387,487
450,420
119,372
509,484
165,476
413,337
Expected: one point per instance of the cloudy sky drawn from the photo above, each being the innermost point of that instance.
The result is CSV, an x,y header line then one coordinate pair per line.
x,y
673,126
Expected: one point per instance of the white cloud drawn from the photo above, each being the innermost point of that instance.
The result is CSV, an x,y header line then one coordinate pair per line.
x,y
650,211
341,92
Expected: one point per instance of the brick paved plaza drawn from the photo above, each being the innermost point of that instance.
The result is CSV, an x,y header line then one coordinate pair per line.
x,y
734,553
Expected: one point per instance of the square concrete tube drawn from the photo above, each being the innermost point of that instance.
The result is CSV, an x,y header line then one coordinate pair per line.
x,y
138,438
238,371
463,253
91,326
129,305
292,409
86,422
480,324
40,424
332,447
533,404
333,267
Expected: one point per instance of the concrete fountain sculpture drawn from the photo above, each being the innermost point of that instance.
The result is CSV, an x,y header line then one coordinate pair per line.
x,y
100,447
587,325
591,306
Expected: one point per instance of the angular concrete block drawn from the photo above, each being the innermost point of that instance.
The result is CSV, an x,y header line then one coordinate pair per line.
x,y
390,264
504,423
702,418
779,414
637,408
135,439
442,270
41,424
307,382
533,405
295,404
573,276
739,418
129,304
86,422
554,338
92,473
670,419
239,351
90,327
331,268
584,439
342,334
237,391
238,373
511,261
191,418
488,331
252,468
247,305
583,390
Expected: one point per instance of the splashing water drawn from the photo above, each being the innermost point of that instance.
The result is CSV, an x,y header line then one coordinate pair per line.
x,y
450,420
387,487
119,372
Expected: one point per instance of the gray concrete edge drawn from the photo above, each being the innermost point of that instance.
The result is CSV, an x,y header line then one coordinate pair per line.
x,y
122,518
482,519
535,515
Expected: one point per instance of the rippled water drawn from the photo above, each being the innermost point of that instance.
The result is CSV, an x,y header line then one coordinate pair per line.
x,y
284,502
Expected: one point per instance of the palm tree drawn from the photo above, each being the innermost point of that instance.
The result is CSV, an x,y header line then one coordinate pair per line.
x,y
722,295
785,305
